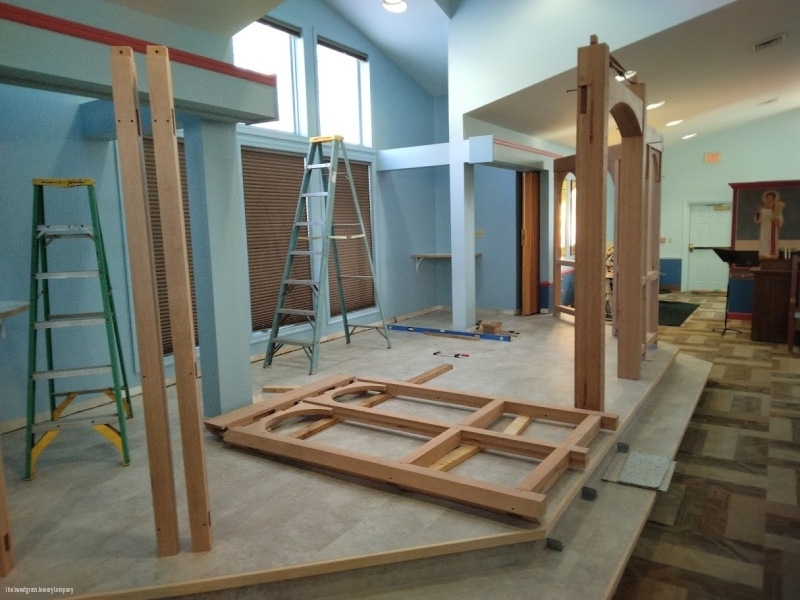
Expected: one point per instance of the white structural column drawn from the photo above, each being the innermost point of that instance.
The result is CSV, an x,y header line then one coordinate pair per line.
x,y
219,254
462,237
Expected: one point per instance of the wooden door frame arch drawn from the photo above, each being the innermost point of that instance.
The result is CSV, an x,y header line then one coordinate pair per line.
x,y
599,95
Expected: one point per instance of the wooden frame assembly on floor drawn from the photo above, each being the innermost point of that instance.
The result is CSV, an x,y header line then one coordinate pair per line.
x,y
425,469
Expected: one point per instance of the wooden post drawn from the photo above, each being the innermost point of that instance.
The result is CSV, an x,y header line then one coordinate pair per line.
x,y
530,242
179,293
630,250
6,551
145,299
590,172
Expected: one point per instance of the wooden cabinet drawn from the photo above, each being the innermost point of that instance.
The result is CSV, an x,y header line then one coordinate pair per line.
x,y
771,301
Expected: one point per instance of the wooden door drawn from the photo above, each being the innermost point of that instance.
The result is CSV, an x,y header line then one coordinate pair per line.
x,y
530,243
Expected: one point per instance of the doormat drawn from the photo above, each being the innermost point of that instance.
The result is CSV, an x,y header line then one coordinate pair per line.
x,y
673,314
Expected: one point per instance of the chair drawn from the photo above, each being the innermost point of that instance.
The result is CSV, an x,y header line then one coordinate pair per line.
x,y
794,311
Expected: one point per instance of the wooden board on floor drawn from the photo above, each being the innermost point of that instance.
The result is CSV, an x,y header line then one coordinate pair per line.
x,y
425,469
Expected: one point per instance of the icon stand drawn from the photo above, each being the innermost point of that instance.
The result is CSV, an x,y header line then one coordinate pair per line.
x,y
734,258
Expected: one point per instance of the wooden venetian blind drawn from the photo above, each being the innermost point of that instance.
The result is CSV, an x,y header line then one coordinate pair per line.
x,y
353,260
158,245
271,182
271,187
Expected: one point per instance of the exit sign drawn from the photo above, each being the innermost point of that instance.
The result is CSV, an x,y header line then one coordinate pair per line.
x,y
711,157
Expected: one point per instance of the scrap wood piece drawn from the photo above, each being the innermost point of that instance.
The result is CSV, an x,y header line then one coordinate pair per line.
x,y
278,389
528,505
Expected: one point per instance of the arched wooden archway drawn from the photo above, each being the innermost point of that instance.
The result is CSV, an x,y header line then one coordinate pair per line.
x,y
637,175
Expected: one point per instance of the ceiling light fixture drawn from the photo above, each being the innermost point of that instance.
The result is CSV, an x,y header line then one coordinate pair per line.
x,y
656,105
395,6
687,137
675,122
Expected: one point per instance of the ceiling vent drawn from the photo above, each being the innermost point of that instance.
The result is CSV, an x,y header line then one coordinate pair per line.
x,y
769,42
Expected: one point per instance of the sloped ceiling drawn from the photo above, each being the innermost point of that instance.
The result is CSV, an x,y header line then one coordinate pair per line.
x,y
705,69
220,17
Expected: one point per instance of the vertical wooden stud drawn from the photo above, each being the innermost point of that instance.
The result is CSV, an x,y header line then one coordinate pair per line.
x,y
6,550
179,293
530,242
145,299
590,172
631,248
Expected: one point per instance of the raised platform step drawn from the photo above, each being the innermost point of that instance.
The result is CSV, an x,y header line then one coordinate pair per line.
x,y
582,555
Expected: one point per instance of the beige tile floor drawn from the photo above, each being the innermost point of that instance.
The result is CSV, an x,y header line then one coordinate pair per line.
x,y
86,523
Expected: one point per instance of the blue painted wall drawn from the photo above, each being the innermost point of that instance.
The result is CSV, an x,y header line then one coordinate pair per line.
x,y
496,270
763,150
40,137
670,272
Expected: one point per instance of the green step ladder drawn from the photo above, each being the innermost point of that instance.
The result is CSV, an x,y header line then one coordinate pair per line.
x,y
314,235
43,320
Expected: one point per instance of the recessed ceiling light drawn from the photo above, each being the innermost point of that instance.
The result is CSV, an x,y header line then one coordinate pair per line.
x,y
395,6
675,122
686,137
627,75
656,105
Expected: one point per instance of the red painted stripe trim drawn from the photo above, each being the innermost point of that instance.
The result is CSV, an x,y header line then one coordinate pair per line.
x,y
527,148
740,316
110,38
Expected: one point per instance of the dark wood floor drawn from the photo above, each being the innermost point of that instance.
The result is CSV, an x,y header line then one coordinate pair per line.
x,y
729,526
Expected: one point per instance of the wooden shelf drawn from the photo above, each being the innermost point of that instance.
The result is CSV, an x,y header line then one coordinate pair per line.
x,y
11,307
435,255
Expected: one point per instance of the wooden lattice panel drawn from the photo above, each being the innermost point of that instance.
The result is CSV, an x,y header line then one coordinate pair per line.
x,y
426,468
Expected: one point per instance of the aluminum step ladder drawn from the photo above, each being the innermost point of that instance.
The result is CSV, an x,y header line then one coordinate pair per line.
x,y
314,236
48,286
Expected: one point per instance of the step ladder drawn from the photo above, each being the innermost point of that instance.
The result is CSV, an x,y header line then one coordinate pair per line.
x,y
314,235
48,284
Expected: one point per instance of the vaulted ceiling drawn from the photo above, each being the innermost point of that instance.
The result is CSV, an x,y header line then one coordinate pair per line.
x,y
707,70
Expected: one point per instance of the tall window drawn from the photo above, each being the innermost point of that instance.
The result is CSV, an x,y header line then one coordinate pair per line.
x,y
273,48
344,99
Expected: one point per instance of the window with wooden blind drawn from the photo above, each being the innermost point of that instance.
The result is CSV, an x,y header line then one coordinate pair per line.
x,y
158,244
359,291
271,187
271,182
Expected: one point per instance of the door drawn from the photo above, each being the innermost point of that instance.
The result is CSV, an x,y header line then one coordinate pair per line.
x,y
709,227
530,243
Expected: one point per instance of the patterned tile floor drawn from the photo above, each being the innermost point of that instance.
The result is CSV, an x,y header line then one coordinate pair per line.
x,y
729,526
